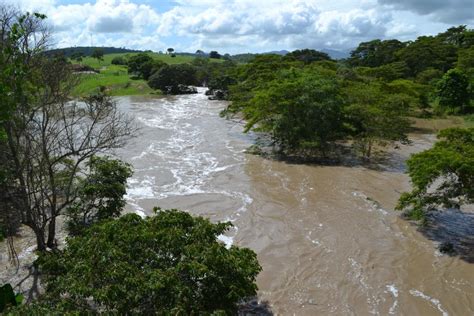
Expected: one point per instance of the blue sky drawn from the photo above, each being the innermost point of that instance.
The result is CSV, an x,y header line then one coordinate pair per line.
x,y
239,26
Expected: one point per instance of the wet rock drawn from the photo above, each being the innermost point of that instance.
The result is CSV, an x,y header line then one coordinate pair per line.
x,y
180,89
447,248
254,307
217,94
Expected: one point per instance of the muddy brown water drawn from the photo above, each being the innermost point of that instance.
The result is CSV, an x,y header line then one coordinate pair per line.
x,y
327,237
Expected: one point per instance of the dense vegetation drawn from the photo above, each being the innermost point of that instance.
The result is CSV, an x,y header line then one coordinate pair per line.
x,y
55,162
310,104
170,263
443,176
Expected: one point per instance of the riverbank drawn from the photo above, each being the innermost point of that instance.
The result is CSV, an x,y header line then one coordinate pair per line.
x,y
326,236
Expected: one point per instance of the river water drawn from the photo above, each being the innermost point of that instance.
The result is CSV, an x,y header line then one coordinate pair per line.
x,y
327,237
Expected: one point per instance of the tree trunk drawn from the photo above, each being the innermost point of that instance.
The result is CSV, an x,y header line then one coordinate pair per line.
x,y
369,150
40,242
52,233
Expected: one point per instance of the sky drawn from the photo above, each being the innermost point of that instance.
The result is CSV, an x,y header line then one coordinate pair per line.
x,y
241,26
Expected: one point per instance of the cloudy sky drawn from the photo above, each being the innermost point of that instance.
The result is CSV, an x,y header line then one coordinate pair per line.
x,y
238,26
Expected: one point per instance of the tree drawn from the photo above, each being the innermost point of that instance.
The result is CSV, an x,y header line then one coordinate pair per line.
x,y
375,116
50,153
119,60
199,52
428,52
376,53
136,62
453,91
170,50
78,56
143,65
214,54
302,110
169,77
443,176
466,61
100,194
98,53
308,56
48,138
168,263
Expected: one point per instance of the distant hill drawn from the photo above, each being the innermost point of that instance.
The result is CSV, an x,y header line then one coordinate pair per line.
x,y
278,52
334,54
337,54
87,50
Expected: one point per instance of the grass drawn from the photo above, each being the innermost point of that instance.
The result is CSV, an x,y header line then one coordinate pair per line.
x,y
469,120
116,79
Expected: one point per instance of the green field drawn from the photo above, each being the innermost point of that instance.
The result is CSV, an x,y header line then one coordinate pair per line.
x,y
115,78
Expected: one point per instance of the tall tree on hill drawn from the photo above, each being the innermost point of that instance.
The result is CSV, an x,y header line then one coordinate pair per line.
x,y
98,54
307,56
214,54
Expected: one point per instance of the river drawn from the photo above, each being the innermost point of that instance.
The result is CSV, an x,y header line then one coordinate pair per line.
x,y
327,237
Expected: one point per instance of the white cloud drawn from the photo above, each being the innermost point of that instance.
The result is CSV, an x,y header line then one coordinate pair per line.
x,y
235,25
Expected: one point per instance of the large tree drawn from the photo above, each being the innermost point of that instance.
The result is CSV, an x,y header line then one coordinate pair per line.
x,y
375,116
453,91
170,263
98,53
443,176
48,137
307,56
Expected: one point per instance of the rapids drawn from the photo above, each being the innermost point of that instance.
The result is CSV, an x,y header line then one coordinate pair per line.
x,y
326,236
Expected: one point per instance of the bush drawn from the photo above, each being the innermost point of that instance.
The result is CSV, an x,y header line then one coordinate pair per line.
x,y
100,194
171,263
119,60
170,76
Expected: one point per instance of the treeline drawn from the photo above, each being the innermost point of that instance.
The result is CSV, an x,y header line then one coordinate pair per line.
x,y
310,104
88,51
175,78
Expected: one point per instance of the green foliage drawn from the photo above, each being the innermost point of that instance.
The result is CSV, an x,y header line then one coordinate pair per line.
x,y
136,62
453,92
375,53
466,61
169,77
307,56
386,72
119,60
98,54
443,176
143,65
302,110
171,263
101,194
428,52
376,116
214,54
428,76
77,56
8,298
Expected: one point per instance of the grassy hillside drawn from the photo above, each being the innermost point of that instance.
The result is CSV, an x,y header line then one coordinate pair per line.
x,y
116,81
115,78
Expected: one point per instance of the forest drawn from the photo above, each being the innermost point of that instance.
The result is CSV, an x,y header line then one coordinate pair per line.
x,y
58,164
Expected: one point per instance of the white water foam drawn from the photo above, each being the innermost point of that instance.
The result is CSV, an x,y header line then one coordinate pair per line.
x,y
433,301
394,291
